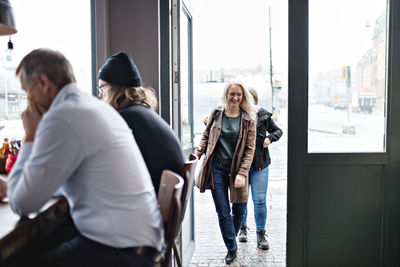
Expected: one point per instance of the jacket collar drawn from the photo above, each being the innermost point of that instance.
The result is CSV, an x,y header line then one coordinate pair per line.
x,y
263,114
220,109
244,114
63,94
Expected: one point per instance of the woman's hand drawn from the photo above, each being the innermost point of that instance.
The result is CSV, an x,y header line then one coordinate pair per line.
x,y
205,120
198,153
267,142
240,181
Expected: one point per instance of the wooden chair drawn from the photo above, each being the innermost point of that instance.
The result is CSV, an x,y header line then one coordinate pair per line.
x,y
169,200
188,177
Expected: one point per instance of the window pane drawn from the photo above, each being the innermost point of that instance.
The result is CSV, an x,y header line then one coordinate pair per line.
x,y
184,49
347,76
60,25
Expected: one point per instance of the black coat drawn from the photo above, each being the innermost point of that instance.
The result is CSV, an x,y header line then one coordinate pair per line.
x,y
157,142
266,127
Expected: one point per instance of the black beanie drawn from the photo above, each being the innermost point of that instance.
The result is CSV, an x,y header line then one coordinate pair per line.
x,y
120,70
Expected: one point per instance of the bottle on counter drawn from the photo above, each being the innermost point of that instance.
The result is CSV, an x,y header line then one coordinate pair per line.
x,y
4,146
4,152
12,157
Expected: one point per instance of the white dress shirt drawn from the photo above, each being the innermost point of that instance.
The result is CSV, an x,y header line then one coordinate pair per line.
x,y
84,146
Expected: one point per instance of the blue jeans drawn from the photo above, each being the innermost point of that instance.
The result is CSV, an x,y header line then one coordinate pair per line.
x,y
259,185
228,224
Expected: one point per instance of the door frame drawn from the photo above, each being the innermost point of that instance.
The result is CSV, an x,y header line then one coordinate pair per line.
x,y
176,7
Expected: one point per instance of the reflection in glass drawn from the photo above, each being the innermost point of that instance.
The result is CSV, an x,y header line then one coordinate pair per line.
x,y
186,118
186,136
347,76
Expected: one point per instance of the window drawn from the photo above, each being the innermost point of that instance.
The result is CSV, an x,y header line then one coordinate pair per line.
x,y
347,76
60,25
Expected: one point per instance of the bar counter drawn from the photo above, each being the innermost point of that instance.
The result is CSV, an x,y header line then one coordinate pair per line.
x,y
17,234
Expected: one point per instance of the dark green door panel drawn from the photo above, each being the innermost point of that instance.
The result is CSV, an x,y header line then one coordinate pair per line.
x,y
392,251
344,215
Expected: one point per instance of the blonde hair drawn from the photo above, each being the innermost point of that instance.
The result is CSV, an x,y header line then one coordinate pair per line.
x,y
253,93
121,97
247,103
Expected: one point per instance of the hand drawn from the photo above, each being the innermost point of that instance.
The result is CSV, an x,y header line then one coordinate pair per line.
x,y
30,120
198,153
240,181
267,142
205,120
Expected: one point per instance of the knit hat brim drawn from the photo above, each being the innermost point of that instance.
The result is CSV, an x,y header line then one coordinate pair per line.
x,y
120,70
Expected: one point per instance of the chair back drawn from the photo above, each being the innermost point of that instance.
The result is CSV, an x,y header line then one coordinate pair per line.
x,y
169,200
188,176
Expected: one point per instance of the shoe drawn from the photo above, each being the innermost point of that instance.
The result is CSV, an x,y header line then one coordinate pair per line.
x,y
243,234
262,242
231,256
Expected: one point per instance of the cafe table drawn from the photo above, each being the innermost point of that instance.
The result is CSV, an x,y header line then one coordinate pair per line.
x,y
17,234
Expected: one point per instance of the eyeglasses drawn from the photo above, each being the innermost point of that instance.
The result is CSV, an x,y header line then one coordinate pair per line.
x,y
100,90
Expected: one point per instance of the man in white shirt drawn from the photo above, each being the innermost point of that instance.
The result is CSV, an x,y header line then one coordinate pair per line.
x,y
76,142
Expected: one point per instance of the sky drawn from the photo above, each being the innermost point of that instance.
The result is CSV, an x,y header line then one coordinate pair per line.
x,y
338,34
234,33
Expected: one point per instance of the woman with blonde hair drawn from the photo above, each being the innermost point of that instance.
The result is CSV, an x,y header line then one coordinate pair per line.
x,y
120,85
228,144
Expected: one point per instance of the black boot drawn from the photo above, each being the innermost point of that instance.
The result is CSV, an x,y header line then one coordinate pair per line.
x,y
243,234
231,256
262,242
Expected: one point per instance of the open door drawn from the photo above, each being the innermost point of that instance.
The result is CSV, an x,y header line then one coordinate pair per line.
x,y
343,171
182,104
182,75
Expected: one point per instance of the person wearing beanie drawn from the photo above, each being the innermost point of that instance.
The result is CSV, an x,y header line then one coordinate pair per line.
x,y
120,70
120,85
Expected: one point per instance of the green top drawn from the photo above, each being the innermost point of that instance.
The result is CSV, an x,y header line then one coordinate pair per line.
x,y
226,144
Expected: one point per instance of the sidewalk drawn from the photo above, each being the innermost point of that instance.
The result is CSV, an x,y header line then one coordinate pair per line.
x,y
210,248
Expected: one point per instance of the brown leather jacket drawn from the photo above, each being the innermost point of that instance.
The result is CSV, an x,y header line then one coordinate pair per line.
x,y
242,158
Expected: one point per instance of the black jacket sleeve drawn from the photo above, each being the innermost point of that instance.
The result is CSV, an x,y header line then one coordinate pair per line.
x,y
274,131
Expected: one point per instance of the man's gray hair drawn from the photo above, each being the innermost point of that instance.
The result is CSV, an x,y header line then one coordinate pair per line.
x,y
49,62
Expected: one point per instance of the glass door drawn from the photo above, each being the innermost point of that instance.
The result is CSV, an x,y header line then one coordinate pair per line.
x,y
343,132
186,124
182,75
182,104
